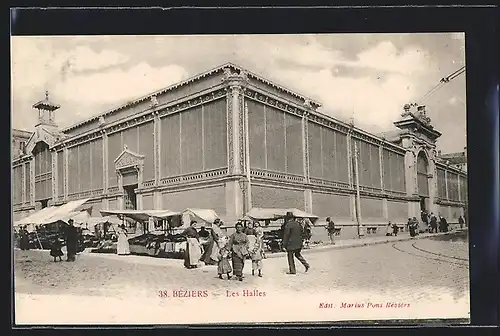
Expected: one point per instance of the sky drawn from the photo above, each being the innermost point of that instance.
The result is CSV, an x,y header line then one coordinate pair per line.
x,y
367,77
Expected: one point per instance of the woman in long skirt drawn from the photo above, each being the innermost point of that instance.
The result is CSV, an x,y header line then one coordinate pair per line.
x,y
238,245
193,248
211,254
123,247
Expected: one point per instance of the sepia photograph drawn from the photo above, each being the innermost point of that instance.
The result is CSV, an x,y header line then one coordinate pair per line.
x,y
239,179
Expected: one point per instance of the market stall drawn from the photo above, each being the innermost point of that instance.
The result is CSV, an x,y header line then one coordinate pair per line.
x,y
273,238
204,217
160,232
29,227
149,220
35,218
44,226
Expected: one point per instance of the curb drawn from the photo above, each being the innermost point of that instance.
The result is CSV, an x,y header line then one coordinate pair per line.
x,y
361,244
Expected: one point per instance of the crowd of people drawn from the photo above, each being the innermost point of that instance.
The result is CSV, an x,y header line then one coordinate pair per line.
x,y
213,247
437,223
431,223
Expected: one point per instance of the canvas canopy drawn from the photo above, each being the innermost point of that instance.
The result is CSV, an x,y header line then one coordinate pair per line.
x,y
206,216
80,218
275,214
62,212
37,217
141,215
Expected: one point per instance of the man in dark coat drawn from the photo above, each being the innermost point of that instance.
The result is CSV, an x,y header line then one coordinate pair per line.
x,y
443,224
292,242
434,224
24,242
71,241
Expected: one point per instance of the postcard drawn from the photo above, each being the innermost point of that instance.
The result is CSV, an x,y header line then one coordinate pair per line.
x,y
224,179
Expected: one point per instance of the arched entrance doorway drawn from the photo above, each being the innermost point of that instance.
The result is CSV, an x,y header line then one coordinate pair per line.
x,y
423,181
129,167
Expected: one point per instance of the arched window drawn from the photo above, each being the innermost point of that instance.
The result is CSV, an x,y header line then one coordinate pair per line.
x,y
43,171
422,171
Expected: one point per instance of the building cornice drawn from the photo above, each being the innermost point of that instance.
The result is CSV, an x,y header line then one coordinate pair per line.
x,y
264,97
187,82
147,115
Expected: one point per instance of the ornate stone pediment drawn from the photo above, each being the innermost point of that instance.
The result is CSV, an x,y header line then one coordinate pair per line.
x,y
127,159
40,134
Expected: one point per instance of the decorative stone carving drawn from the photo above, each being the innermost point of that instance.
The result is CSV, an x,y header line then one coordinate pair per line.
x,y
41,134
230,131
244,75
307,103
101,121
234,78
154,101
406,108
227,74
241,130
128,158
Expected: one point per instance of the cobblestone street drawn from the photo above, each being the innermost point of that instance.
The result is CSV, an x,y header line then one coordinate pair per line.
x,y
428,277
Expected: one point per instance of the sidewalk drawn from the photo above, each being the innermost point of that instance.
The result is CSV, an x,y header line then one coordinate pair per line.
x,y
365,241
340,244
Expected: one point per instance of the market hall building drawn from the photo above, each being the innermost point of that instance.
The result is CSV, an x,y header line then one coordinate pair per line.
x,y
230,140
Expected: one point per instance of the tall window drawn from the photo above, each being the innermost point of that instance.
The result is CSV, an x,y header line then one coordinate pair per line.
x,y
43,171
422,180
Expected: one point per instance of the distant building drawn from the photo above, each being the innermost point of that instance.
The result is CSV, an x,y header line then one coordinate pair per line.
x,y
230,140
19,140
456,160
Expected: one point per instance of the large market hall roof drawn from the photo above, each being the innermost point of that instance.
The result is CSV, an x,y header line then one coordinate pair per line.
x,y
190,80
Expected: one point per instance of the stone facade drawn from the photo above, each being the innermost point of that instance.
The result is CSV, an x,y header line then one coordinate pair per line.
x,y
19,140
231,140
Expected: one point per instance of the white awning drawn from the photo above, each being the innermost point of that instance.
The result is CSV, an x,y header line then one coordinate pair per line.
x,y
141,215
37,217
207,216
64,211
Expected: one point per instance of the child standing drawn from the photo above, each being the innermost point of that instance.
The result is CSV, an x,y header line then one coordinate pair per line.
x,y
55,250
256,251
224,267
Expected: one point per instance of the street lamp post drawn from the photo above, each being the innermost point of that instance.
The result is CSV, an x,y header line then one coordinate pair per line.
x,y
358,197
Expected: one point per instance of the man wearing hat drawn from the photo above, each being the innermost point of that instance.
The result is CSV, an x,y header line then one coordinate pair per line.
x,y
292,242
71,241
331,230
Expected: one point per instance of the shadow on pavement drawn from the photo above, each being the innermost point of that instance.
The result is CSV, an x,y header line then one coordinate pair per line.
x,y
458,236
